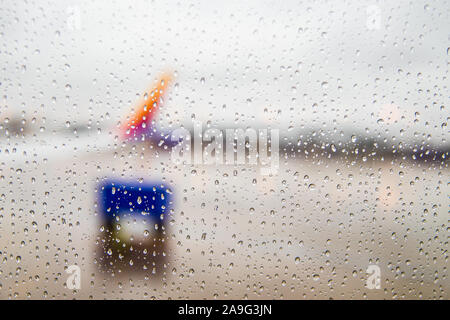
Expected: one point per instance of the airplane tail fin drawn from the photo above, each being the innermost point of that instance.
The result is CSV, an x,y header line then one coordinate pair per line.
x,y
139,122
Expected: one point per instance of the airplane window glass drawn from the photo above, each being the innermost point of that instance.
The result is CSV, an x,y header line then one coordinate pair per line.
x,y
211,150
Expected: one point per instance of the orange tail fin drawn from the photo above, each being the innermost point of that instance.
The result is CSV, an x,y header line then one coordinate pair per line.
x,y
146,108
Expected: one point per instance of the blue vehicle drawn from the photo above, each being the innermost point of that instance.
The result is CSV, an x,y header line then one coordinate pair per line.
x,y
151,200
146,202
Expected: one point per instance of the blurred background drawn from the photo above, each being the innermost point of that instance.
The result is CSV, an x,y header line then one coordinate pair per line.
x,y
359,92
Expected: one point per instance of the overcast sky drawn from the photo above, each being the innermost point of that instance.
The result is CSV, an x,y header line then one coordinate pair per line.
x,y
379,67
